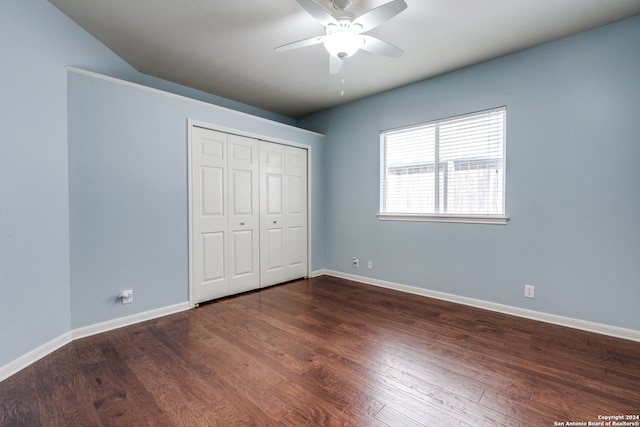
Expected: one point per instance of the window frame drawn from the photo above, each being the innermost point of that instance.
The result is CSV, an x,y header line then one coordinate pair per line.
x,y
444,217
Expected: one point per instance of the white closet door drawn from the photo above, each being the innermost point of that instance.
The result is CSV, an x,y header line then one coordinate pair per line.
x,y
209,249
248,214
295,212
272,209
283,213
244,216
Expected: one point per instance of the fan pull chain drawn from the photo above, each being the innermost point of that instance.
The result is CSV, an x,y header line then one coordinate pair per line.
x,y
342,79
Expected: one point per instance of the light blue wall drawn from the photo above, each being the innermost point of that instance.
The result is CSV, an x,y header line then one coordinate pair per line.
x,y
128,193
37,43
573,181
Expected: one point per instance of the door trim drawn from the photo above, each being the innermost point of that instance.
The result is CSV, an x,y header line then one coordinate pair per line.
x,y
196,123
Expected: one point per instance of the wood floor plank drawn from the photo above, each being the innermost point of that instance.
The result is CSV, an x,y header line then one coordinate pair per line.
x,y
117,394
61,390
16,397
183,397
329,351
392,417
221,375
273,344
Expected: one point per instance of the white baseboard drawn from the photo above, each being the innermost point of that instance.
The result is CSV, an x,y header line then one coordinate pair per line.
x,y
322,272
121,322
33,356
599,328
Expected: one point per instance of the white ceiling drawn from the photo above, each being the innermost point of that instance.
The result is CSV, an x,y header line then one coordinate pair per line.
x,y
226,47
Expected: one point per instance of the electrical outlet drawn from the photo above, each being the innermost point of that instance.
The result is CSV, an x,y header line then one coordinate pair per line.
x,y
370,265
529,291
356,262
126,296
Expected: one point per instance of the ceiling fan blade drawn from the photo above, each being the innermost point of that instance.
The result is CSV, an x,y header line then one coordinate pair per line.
x,y
374,45
335,65
300,43
318,13
380,14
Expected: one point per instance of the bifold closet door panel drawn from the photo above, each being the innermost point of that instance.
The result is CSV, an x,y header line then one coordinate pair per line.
x,y
296,216
244,214
272,214
283,213
209,227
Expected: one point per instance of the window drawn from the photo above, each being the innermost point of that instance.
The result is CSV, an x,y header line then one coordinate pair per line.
x,y
447,170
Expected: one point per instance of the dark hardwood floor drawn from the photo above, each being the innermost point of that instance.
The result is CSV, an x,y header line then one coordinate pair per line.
x,y
328,351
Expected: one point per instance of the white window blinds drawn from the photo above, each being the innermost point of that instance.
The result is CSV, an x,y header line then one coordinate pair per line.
x,y
451,167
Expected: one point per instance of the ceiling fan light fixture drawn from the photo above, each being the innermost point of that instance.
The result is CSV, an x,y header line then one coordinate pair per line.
x,y
343,44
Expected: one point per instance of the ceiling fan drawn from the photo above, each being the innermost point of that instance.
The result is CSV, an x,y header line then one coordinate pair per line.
x,y
343,36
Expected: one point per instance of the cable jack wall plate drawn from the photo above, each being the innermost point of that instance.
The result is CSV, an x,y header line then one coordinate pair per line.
x,y
126,296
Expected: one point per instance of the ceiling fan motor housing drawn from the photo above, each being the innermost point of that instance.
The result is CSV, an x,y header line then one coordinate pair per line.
x,y
342,4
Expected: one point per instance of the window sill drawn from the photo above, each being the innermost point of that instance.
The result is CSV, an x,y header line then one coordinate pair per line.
x,y
468,219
